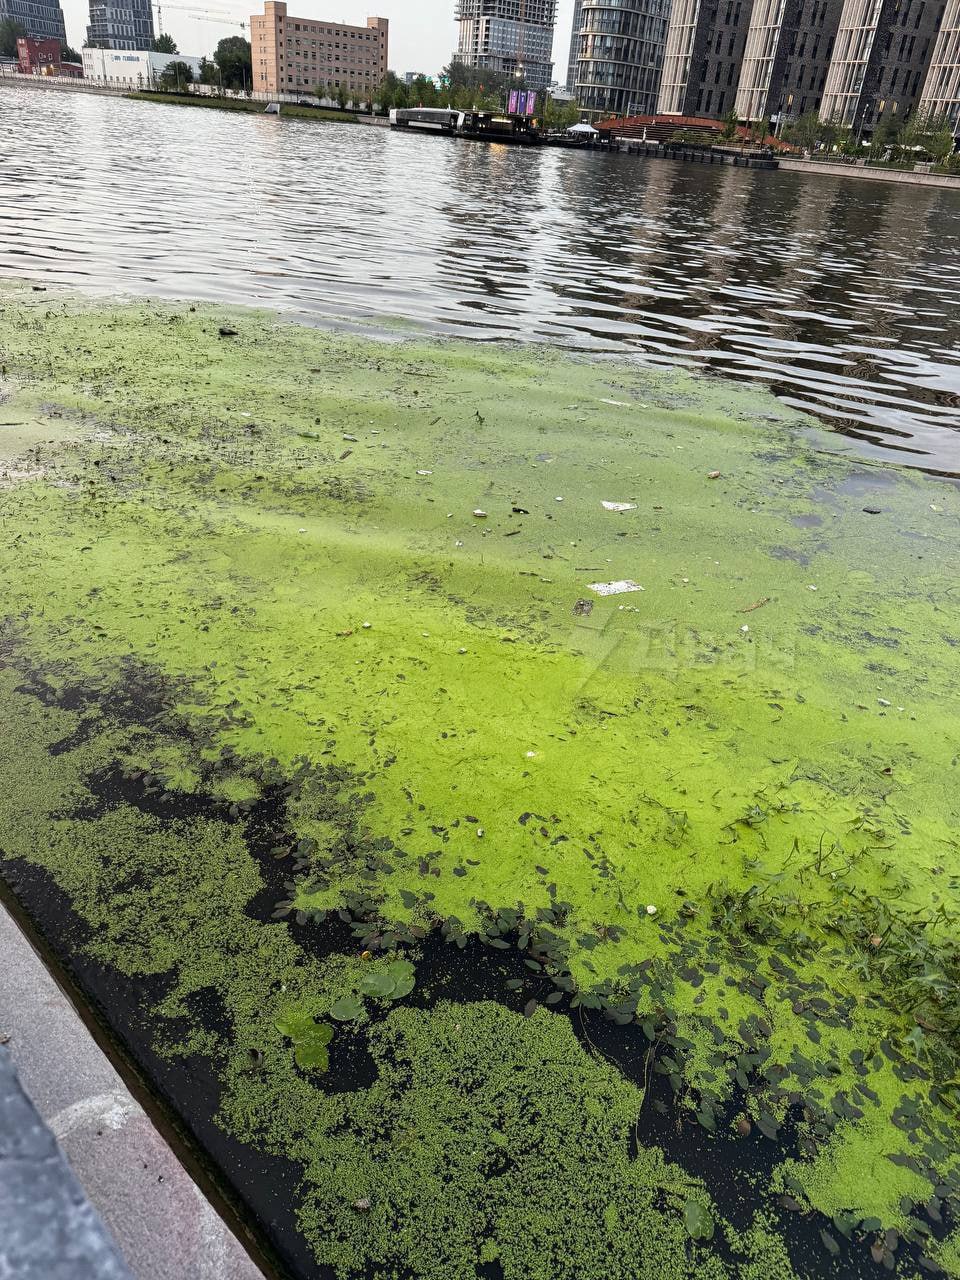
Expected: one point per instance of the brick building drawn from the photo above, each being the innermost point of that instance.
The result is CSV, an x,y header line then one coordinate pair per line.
x,y
295,55
38,57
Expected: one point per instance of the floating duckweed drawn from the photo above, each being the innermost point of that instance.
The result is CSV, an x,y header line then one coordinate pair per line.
x,y
198,733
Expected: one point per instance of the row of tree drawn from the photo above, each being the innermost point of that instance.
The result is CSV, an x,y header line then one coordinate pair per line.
x,y
467,89
230,68
893,139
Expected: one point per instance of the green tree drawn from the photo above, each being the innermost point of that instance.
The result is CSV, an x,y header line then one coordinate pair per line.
x,y
942,144
467,88
69,54
209,73
931,133
165,44
234,62
805,132
423,92
730,123
385,94
560,115
401,97
342,96
10,32
176,75
884,137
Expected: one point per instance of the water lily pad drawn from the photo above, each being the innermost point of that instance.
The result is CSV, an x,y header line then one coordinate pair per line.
x,y
295,1026
404,979
310,1040
698,1220
378,985
346,1009
312,1056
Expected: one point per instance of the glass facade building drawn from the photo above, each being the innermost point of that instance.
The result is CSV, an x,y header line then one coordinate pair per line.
x,y
511,37
857,62
571,79
620,56
43,19
127,25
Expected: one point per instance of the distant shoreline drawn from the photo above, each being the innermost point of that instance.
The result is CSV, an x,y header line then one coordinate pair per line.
x,y
243,104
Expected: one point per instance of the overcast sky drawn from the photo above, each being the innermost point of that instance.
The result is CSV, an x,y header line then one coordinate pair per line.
x,y
422,32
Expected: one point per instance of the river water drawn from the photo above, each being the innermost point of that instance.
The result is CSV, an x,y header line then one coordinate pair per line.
x,y
843,296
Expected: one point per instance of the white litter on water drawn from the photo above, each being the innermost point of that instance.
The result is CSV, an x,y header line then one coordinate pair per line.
x,y
618,404
424,473
619,506
614,588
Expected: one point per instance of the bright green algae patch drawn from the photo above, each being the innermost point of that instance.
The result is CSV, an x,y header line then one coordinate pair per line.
x,y
275,531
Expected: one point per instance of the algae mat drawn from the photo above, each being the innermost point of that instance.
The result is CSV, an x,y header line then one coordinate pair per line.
x,y
523,787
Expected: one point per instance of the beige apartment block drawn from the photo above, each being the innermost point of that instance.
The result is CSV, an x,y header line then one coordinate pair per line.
x,y
298,55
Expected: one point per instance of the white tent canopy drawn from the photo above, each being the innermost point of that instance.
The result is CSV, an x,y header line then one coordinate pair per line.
x,y
582,128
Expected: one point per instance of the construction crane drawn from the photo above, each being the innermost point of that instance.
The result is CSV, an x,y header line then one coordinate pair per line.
x,y
202,15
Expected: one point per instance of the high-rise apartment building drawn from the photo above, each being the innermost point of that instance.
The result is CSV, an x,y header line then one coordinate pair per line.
x,y
620,56
857,62
571,79
880,60
296,55
940,95
787,57
703,56
510,37
120,24
43,19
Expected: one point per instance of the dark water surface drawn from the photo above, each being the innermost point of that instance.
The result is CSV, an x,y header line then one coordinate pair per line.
x,y
843,296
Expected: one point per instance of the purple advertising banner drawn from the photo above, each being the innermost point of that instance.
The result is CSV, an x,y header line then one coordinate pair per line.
x,y
531,103
512,107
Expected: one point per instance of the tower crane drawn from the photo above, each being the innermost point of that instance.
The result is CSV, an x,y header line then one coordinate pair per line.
x,y
196,12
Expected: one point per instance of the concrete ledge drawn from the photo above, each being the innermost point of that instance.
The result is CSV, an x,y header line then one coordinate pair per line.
x,y
830,169
162,1225
48,1229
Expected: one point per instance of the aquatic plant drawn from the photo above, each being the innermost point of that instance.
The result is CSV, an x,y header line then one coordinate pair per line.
x,y
273,700
310,1039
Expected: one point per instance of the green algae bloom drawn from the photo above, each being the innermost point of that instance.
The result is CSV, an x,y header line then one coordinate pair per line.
x,y
323,655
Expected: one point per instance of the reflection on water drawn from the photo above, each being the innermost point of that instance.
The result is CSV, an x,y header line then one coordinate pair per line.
x,y
841,296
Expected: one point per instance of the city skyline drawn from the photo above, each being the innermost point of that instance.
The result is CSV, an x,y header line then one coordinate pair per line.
x,y
423,32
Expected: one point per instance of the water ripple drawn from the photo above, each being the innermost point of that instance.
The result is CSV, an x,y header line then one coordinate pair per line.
x,y
841,296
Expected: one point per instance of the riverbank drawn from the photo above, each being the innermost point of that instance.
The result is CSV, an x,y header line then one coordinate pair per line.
x,y
871,173
709,155
287,109
437,755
